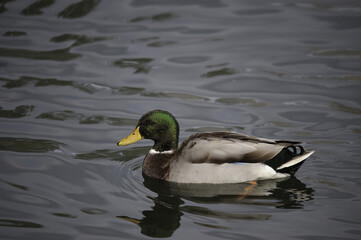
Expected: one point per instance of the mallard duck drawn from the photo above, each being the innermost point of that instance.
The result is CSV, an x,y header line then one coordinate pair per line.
x,y
212,157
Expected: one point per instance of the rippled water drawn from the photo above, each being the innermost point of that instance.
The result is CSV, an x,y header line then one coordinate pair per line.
x,y
75,76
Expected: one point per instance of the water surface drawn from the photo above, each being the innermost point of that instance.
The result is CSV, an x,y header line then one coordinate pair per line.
x,y
75,76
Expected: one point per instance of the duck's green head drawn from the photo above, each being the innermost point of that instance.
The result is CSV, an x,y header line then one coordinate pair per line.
x,y
158,125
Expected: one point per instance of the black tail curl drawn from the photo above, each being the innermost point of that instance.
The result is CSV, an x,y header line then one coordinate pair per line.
x,y
286,155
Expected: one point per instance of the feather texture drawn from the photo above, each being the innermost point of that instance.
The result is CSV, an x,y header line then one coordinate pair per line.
x,y
228,147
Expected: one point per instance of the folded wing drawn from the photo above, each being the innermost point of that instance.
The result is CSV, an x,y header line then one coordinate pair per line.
x,y
226,147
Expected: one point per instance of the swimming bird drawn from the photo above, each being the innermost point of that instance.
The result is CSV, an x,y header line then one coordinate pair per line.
x,y
212,157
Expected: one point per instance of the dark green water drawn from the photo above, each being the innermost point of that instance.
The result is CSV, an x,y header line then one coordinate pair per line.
x,y
75,76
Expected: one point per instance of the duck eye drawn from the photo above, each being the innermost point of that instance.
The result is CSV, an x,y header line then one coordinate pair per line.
x,y
150,122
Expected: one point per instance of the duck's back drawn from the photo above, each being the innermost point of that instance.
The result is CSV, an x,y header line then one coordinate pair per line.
x,y
229,147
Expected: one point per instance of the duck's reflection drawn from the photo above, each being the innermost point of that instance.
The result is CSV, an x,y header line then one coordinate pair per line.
x,y
164,218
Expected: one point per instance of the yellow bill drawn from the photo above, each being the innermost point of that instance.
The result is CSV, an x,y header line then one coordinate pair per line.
x,y
132,138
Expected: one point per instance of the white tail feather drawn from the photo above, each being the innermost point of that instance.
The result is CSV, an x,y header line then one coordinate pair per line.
x,y
295,160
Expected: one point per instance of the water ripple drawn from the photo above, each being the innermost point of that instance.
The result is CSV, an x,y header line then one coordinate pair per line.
x,y
156,18
76,76
36,7
80,9
18,112
140,65
29,145
55,55
19,224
